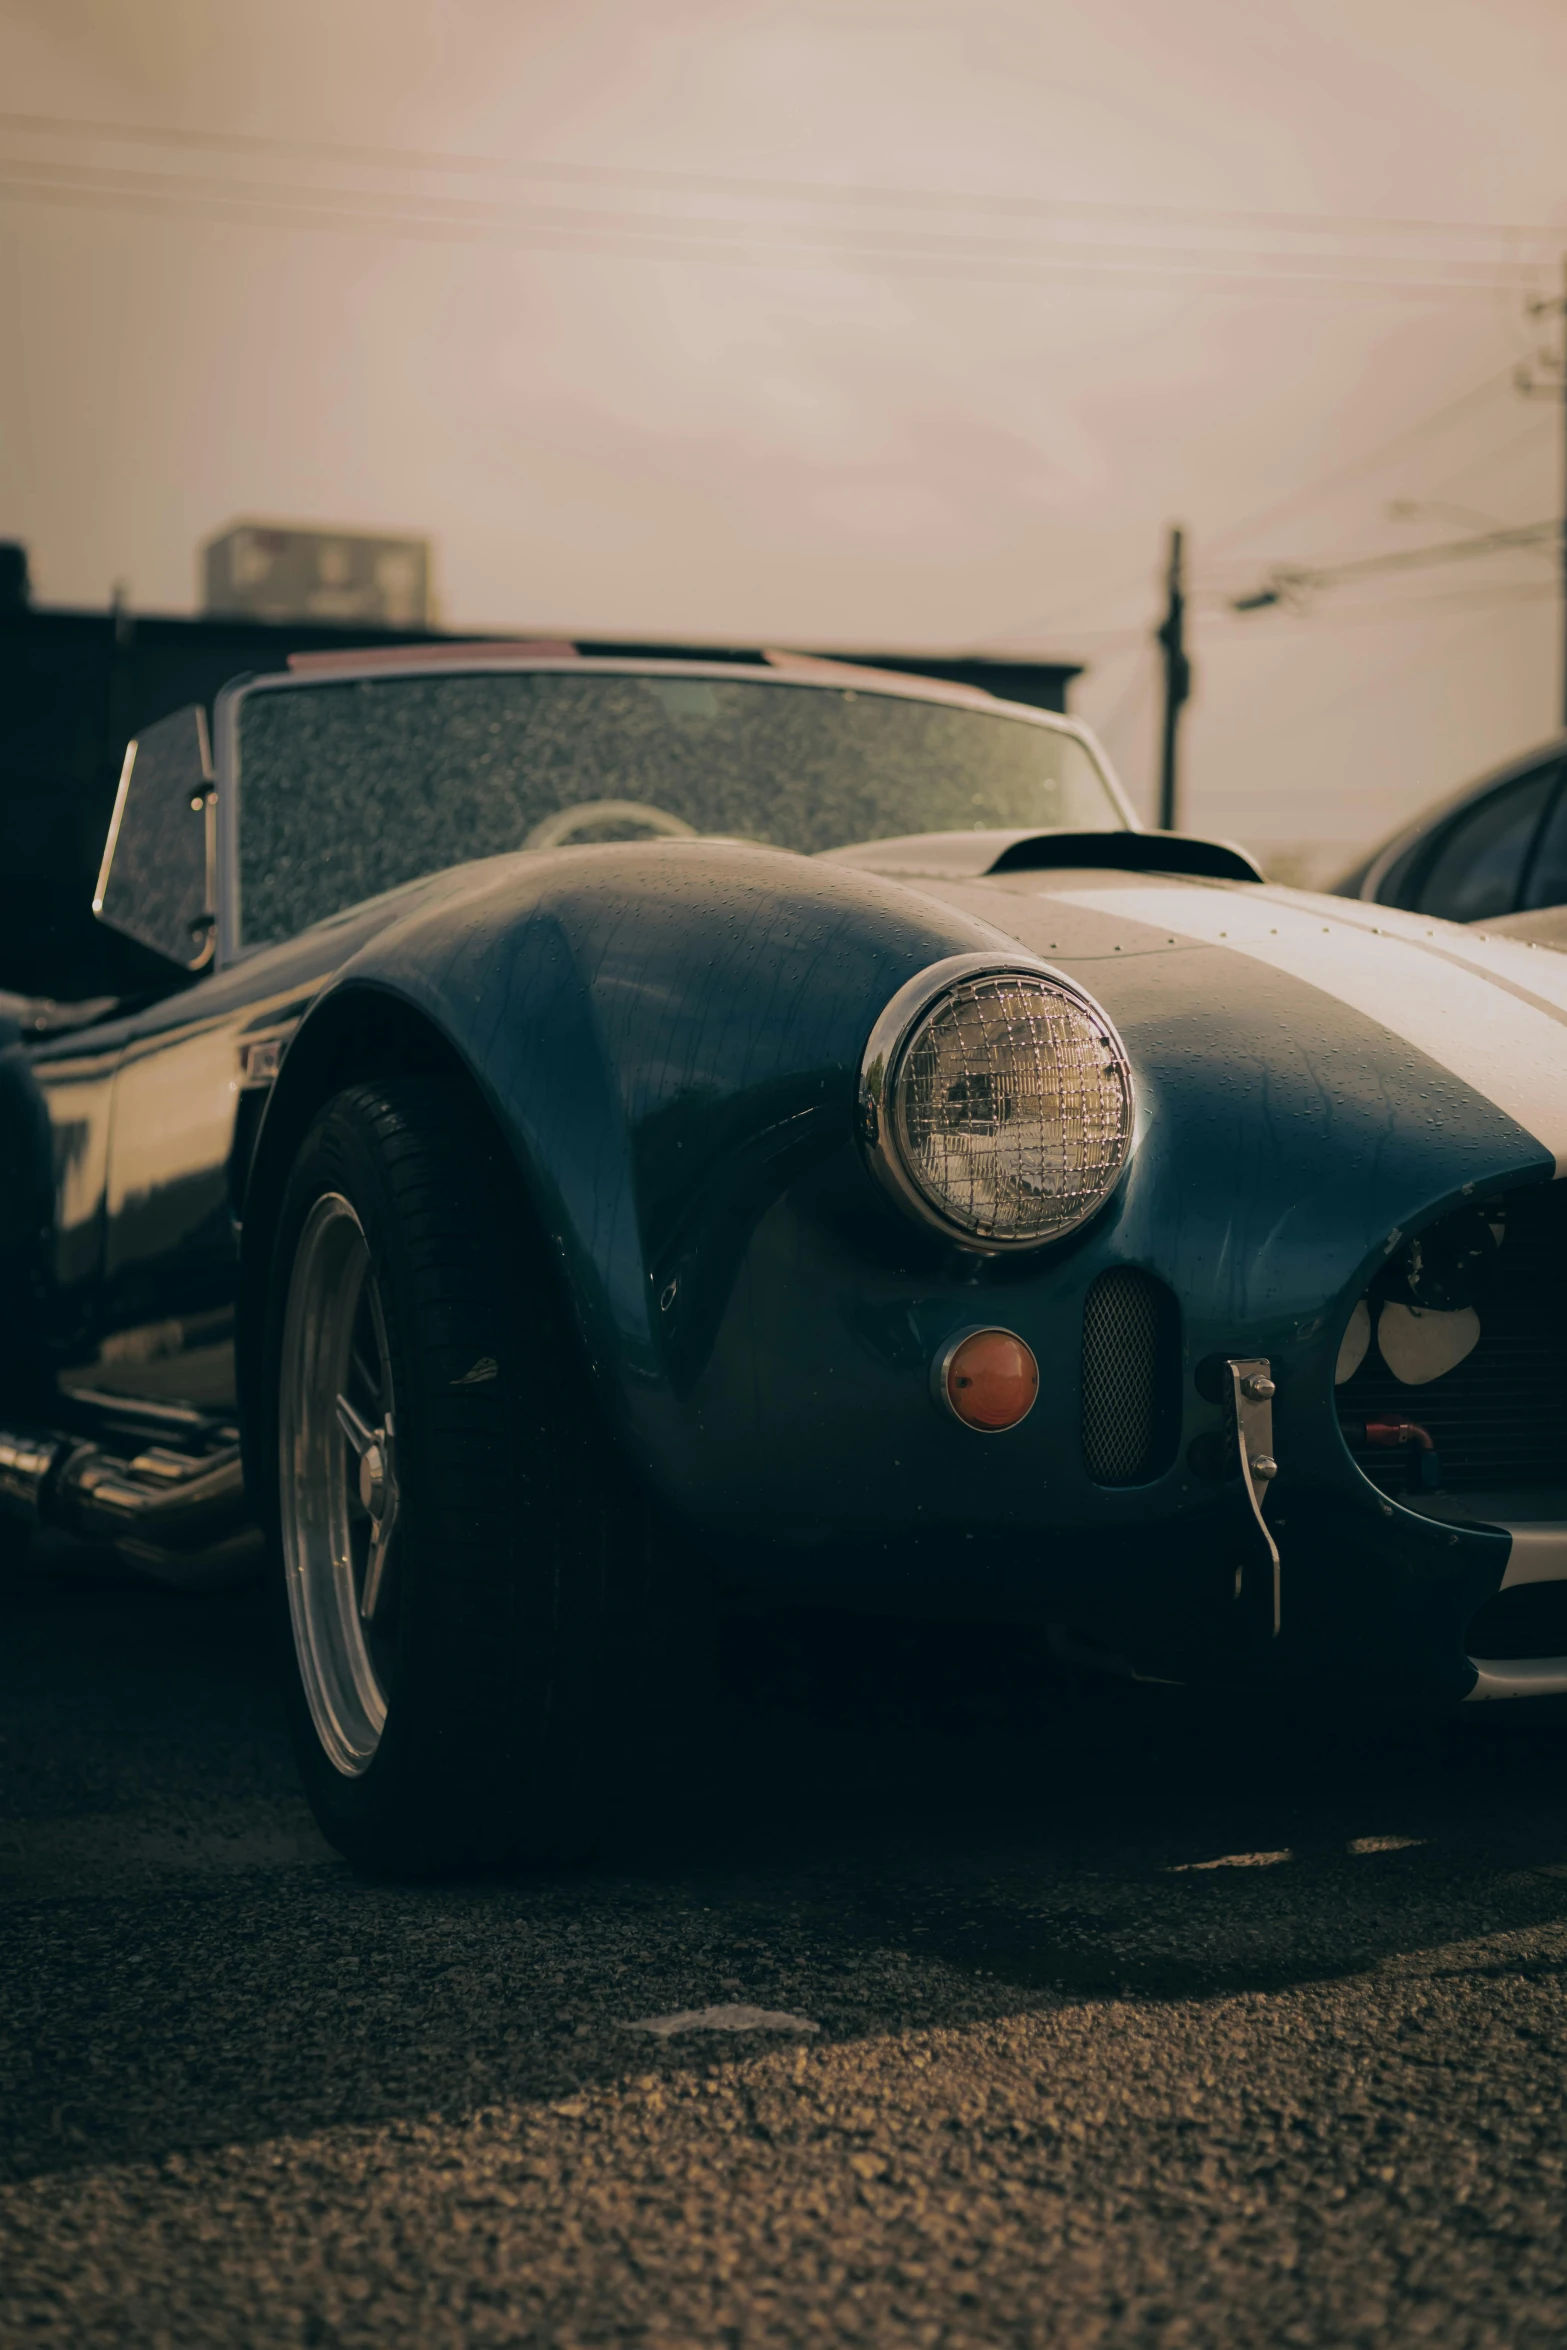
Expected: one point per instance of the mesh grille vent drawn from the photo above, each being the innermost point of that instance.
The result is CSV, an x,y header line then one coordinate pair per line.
x,y
1500,1418
1121,1351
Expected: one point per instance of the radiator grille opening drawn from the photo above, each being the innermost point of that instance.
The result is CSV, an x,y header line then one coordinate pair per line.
x,y
1131,1352
1499,1419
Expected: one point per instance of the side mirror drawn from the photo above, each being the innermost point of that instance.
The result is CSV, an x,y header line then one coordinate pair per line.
x,y
156,883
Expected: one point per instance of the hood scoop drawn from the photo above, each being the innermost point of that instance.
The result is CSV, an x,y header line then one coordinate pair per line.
x,y
1129,852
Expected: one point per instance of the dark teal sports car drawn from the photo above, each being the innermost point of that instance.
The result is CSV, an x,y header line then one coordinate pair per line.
x,y
621,1139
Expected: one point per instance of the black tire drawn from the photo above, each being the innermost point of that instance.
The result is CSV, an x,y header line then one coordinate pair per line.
x,y
528,1601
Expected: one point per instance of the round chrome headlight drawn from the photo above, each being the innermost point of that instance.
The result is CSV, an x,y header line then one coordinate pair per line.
x,y
996,1103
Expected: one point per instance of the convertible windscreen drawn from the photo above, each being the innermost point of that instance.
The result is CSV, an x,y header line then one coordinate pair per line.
x,y
351,789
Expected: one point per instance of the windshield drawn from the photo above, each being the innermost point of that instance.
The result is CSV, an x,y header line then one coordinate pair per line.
x,y
351,789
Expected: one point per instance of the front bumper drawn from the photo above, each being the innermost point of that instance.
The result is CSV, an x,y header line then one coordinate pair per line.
x,y
1373,1598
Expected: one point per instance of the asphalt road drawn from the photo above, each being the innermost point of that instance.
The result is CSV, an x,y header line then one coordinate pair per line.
x,y
1144,2021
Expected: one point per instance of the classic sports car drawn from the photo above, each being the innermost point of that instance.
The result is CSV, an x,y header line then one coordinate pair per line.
x,y
622,1138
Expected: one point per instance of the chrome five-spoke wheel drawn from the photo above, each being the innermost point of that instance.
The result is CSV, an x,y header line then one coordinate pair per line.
x,y
338,1482
465,1574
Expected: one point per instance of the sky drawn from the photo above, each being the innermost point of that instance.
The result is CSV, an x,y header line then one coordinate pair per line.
x,y
836,323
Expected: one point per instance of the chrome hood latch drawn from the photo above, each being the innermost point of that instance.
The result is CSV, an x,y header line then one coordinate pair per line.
x,y
1250,1401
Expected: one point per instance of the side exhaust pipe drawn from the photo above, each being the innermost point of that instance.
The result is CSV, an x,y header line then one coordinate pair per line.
x,y
178,1516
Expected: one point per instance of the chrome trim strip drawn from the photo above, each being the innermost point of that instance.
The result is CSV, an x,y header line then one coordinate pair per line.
x,y
898,685
112,841
225,719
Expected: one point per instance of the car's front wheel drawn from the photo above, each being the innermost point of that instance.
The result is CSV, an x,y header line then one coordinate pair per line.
x,y
466,1570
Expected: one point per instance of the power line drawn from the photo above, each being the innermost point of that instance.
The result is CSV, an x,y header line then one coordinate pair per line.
x,y
1408,509
1206,591
655,178
989,259
1449,411
1232,629
1284,582
1487,538
1385,679
1358,467
1532,432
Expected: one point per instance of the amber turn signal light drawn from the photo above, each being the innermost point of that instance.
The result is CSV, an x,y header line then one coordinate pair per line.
x,y
988,1379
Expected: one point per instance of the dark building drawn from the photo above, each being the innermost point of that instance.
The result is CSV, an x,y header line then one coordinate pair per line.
x,y
75,686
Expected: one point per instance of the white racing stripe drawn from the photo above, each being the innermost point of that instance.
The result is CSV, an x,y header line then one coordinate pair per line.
x,y
1521,967
1460,1000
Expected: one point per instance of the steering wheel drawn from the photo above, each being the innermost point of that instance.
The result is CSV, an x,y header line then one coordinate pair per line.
x,y
552,832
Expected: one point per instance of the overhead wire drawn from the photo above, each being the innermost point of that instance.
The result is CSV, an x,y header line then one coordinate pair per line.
x,y
1327,250
1232,628
1534,430
1285,583
1386,677
780,243
660,178
749,243
1447,411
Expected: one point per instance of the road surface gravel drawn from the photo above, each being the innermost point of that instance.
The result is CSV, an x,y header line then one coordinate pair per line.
x,y
1142,2020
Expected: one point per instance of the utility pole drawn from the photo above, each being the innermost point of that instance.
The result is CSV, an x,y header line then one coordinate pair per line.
x,y
1177,676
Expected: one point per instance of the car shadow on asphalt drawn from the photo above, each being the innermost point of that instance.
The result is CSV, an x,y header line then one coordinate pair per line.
x,y
1082,1835
879,1830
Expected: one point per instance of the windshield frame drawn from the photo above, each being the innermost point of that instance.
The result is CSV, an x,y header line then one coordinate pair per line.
x,y
807,677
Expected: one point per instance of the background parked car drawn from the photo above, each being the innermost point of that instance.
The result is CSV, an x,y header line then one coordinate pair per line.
x,y
1499,847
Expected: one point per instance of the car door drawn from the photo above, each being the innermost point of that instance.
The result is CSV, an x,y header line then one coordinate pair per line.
x,y
170,1239
187,1094
54,1150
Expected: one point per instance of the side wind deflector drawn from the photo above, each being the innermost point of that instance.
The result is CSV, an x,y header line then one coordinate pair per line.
x,y
156,884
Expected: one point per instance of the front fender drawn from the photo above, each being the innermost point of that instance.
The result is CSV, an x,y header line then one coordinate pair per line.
x,y
666,1037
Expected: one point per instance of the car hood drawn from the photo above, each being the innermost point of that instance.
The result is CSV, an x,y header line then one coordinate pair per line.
x,y
1489,1010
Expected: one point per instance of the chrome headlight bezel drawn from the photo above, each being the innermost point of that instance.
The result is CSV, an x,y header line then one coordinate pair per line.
x,y
881,1067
